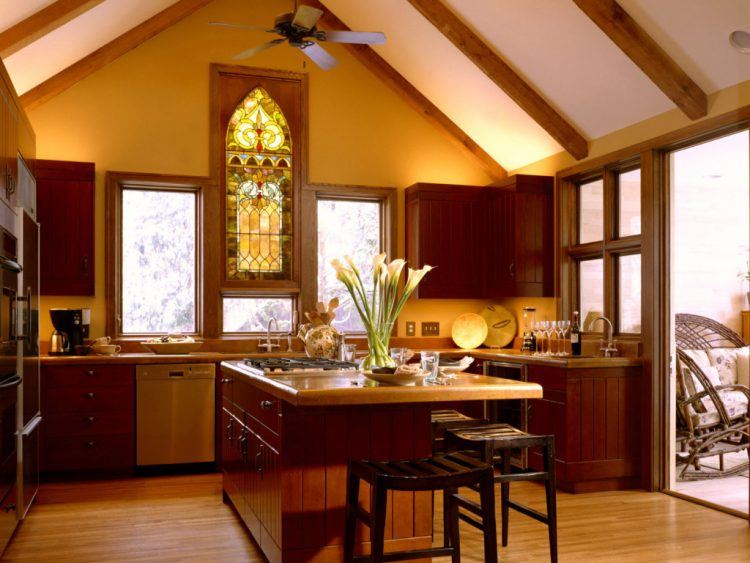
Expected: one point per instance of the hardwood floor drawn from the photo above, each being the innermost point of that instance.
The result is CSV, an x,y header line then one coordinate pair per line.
x,y
183,518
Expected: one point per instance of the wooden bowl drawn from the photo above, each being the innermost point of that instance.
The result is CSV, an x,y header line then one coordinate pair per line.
x,y
172,347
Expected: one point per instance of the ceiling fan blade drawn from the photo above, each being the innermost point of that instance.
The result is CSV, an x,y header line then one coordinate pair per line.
x,y
363,37
259,49
306,17
320,56
240,26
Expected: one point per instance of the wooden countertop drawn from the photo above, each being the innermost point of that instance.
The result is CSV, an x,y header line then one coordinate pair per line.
x,y
150,358
353,388
567,362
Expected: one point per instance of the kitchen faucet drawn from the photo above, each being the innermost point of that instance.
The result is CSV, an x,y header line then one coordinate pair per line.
x,y
610,349
268,346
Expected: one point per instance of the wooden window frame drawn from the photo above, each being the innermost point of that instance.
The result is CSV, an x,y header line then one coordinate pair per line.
x,y
311,194
115,183
609,248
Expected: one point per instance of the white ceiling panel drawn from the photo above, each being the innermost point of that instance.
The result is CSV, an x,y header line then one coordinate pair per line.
x,y
568,60
15,11
76,39
695,33
453,83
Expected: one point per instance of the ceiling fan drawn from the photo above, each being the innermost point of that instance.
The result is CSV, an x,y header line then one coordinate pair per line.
x,y
299,29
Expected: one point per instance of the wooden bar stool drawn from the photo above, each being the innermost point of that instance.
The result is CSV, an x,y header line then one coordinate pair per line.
x,y
500,439
445,419
441,472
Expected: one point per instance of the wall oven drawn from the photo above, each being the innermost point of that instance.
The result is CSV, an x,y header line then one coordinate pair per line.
x,y
513,412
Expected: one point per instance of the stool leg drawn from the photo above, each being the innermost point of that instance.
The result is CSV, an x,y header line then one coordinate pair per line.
x,y
487,494
377,531
455,536
352,502
505,497
447,522
550,487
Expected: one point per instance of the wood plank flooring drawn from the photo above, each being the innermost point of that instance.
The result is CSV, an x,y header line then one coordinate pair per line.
x,y
183,518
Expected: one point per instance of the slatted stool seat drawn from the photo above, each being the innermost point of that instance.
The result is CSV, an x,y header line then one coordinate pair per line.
x,y
445,419
440,472
499,439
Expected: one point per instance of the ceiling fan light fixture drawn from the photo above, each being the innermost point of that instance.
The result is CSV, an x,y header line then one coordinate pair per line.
x,y
740,40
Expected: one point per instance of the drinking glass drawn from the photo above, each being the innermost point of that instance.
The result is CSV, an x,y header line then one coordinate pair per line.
x,y
538,336
546,331
430,363
349,353
399,355
564,327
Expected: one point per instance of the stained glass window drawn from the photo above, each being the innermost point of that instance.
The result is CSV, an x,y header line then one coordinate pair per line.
x,y
259,164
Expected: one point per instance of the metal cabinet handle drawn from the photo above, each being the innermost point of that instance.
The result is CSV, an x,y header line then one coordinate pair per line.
x,y
90,444
90,419
266,405
85,264
91,372
226,380
259,459
512,269
229,432
90,395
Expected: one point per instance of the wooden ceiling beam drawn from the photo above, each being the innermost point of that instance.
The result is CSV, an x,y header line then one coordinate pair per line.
x,y
489,62
41,23
391,77
110,52
641,48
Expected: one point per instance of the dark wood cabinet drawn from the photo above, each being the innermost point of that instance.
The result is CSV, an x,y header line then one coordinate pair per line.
x,y
443,229
89,413
65,203
9,117
519,237
594,414
489,242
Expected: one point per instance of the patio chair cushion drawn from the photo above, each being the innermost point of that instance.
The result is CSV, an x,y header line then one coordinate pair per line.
x,y
735,403
700,357
694,385
733,364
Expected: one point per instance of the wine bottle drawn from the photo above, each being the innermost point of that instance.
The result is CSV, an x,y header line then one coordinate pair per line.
x,y
575,335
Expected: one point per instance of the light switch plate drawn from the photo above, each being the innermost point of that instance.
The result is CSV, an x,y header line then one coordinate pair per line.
x,y
430,329
411,328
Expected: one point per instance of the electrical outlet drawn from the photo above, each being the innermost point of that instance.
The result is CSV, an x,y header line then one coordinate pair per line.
x,y
430,329
411,328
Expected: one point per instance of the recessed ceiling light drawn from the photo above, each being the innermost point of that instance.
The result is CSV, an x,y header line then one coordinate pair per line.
x,y
740,40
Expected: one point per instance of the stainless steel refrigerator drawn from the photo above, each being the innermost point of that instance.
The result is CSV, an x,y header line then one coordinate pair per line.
x,y
27,312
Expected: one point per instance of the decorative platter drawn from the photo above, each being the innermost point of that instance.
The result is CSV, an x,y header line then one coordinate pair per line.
x,y
469,331
396,379
501,326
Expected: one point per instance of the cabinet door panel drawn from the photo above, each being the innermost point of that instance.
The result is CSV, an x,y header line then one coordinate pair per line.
x,y
65,193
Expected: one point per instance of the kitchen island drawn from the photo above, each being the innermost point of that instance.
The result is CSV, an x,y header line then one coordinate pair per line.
x,y
286,440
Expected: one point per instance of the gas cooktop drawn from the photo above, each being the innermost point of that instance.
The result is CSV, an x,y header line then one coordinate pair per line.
x,y
296,365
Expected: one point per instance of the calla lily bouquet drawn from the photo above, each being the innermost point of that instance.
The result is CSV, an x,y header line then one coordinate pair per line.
x,y
380,309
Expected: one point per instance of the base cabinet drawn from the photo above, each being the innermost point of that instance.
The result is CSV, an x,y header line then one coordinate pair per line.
x,y
594,415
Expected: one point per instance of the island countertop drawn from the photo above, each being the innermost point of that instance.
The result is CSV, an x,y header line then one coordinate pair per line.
x,y
353,388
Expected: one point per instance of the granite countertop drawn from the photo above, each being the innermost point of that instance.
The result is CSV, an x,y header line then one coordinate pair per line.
x,y
352,388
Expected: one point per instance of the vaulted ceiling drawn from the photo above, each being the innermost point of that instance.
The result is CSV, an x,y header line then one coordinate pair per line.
x,y
523,79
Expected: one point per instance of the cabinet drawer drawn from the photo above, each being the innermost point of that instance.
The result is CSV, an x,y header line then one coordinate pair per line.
x,y
91,399
90,452
85,424
262,406
94,374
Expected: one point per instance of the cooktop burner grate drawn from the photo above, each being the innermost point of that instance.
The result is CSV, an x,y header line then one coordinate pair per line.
x,y
297,364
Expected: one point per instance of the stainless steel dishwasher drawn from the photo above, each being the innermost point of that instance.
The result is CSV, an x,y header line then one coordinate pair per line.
x,y
175,413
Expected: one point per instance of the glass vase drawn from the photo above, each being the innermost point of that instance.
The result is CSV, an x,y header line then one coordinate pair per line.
x,y
378,350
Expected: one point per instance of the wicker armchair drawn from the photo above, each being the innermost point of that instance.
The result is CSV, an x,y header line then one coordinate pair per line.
x,y
708,423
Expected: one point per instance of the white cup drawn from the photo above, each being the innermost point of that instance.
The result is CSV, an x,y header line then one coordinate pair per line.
x,y
106,349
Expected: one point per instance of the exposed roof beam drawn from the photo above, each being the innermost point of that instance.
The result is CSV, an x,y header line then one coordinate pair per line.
x,y
110,52
471,45
41,23
654,61
390,76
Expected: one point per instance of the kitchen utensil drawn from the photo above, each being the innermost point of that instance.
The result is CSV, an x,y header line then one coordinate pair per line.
x,y
501,326
469,331
58,343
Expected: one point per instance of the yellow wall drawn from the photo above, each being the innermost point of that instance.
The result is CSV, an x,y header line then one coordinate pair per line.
x,y
148,112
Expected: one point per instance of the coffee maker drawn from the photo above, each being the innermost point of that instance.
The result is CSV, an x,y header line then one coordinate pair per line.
x,y
71,329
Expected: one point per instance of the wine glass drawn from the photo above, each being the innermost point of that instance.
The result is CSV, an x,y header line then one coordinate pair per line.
x,y
537,328
546,330
564,327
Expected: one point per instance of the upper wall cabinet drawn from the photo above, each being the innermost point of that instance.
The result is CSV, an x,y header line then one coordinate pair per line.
x,y
444,229
487,243
8,145
65,211
519,253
